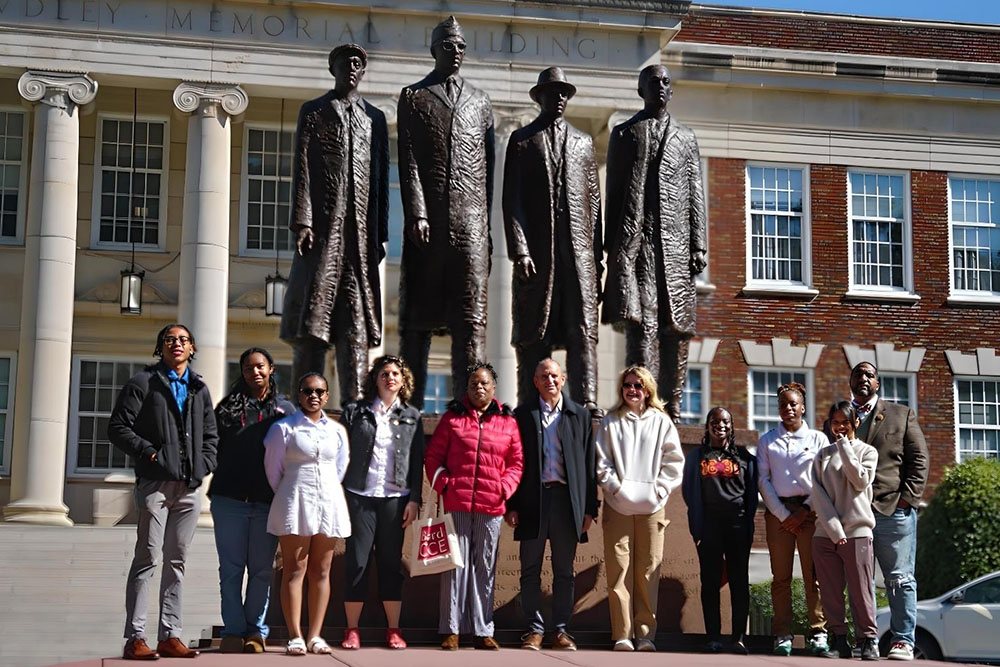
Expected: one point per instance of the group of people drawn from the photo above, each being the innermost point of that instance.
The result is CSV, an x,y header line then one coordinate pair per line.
x,y
299,478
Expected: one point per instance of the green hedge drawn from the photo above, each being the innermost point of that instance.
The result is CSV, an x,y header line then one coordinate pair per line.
x,y
761,609
958,535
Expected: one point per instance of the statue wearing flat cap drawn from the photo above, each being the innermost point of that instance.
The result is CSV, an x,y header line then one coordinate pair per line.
x,y
552,218
340,218
654,236
446,157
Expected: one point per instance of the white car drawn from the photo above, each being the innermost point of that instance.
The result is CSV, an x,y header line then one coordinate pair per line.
x,y
962,625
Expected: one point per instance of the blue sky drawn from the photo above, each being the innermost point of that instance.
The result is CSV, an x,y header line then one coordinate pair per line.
x,y
965,11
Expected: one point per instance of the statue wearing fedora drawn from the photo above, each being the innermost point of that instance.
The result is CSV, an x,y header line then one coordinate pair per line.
x,y
552,218
446,158
340,218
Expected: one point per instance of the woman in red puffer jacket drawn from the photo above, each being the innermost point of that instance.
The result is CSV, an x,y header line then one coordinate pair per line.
x,y
474,462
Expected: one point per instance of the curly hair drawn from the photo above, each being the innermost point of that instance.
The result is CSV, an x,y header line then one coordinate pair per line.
x,y
653,399
370,389
158,350
792,386
480,365
232,408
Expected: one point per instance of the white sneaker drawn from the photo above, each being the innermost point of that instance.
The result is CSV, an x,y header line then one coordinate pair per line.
x,y
783,645
623,645
900,651
644,645
818,643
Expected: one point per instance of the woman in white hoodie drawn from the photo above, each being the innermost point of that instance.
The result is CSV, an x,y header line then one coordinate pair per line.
x,y
639,463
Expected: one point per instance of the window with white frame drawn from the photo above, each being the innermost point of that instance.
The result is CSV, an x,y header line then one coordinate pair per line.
x,y
764,385
438,393
266,203
13,150
879,231
898,388
975,235
97,383
778,233
978,423
130,200
694,402
6,408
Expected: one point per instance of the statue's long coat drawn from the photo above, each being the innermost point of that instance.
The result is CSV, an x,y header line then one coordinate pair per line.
x,y
446,176
530,177
649,261
340,179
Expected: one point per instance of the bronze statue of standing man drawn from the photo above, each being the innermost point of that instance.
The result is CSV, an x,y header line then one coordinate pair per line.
x,y
552,216
446,180
655,236
340,217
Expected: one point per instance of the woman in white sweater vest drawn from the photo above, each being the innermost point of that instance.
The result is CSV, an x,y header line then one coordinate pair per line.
x,y
843,473
639,463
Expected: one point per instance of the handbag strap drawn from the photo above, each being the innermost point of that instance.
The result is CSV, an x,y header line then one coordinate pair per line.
x,y
437,502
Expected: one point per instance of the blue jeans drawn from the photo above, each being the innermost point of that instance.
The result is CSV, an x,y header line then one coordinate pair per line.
x,y
244,545
895,542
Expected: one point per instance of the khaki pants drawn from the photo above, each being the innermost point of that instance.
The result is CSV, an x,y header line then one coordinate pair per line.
x,y
633,550
781,544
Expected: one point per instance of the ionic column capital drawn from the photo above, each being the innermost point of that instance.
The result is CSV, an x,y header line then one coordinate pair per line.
x,y
206,98
387,104
57,89
508,119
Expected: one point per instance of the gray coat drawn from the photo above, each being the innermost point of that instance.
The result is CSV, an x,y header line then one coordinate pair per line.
x,y
903,458
650,237
446,177
349,232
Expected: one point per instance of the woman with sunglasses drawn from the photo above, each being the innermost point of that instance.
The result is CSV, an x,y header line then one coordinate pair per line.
x,y
720,490
639,463
305,462
383,484
241,499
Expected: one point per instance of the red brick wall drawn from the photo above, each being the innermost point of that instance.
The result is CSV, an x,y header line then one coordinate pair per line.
x,y
829,318
840,36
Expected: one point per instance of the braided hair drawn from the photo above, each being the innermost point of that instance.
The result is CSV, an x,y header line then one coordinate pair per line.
x,y
729,451
232,409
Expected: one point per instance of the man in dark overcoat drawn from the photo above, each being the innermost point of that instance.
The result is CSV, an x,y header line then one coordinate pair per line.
x,y
340,218
446,181
552,217
655,237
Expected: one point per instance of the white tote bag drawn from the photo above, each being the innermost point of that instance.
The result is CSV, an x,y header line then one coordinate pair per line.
x,y
434,544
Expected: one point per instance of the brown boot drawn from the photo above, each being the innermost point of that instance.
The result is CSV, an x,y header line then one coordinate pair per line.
x,y
486,644
231,644
254,644
175,648
532,641
138,649
449,642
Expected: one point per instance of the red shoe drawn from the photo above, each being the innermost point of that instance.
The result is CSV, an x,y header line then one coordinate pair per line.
x,y
395,639
352,639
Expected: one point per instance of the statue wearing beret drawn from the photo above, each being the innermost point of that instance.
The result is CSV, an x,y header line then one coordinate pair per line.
x,y
655,237
446,180
552,217
340,218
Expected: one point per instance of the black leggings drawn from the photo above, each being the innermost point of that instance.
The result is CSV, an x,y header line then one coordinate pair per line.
x,y
729,537
378,523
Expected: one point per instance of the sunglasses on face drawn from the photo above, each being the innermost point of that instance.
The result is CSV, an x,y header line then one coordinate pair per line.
x,y
633,385
170,340
453,46
306,391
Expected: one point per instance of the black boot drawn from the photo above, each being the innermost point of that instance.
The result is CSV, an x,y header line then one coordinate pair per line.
x,y
839,648
869,649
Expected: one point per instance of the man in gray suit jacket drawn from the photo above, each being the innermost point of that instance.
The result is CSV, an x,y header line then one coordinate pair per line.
x,y
556,500
900,478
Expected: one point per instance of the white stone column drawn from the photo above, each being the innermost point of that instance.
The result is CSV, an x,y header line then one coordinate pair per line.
x,y
499,351
203,301
47,293
386,105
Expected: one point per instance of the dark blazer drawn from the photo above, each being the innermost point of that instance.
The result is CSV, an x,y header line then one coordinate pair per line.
x,y
903,459
691,489
408,433
146,419
576,436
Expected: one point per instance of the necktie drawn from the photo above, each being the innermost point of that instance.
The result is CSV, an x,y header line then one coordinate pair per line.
x,y
862,408
451,87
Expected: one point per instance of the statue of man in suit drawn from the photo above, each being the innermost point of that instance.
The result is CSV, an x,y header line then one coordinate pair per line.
x,y
552,216
340,218
446,180
655,236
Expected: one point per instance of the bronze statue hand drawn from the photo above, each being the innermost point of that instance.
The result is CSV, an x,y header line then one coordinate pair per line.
x,y
304,241
525,267
420,232
698,262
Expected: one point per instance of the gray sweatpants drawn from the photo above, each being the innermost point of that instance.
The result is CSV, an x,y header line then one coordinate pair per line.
x,y
467,592
167,518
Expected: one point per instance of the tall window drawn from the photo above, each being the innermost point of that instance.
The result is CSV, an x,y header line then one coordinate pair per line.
x,y
779,241
975,235
898,389
978,423
437,395
764,400
267,194
130,206
6,403
693,403
12,152
879,231
98,383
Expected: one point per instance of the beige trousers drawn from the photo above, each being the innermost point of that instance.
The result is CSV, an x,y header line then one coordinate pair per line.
x,y
633,551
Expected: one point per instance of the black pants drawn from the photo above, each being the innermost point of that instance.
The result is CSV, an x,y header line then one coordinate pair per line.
x,y
555,524
378,523
725,537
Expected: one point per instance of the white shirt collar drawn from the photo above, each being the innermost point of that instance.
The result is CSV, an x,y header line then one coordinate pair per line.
x,y
545,406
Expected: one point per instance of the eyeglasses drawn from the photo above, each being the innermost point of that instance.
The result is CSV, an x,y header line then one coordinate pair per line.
x,y
170,340
307,391
453,46
638,386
